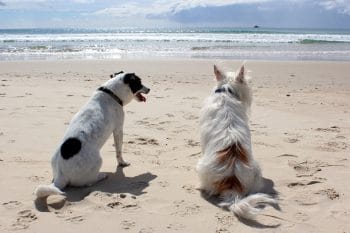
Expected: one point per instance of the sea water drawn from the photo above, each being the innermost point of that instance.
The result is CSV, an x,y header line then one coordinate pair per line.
x,y
222,43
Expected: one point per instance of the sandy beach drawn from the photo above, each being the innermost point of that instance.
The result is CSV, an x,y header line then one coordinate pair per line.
x,y
300,123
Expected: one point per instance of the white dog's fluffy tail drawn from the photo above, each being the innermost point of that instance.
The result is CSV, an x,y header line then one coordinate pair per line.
x,y
47,190
248,207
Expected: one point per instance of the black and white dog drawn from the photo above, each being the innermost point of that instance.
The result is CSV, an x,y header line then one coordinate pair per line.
x,y
77,161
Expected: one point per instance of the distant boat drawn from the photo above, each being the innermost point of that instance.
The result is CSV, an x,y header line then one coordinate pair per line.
x,y
256,26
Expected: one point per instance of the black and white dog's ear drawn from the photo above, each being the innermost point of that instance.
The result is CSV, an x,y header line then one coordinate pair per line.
x,y
115,74
129,77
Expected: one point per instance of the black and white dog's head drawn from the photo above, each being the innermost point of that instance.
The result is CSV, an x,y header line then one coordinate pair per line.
x,y
134,85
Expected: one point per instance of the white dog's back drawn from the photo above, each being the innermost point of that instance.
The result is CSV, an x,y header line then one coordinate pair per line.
x,y
227,167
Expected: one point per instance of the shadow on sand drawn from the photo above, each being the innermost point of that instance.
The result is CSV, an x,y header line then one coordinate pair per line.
x,y
268,188
115,183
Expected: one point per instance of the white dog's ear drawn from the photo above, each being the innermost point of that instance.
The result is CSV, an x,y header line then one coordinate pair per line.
x,y
218,73
241,75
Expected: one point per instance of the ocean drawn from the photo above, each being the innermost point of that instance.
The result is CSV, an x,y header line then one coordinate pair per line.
x,y
204,43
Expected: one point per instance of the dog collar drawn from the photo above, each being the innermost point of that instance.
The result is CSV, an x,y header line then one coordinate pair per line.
x,y
229,90
111,94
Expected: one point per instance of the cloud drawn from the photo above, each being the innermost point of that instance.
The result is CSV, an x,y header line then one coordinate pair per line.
x,y
230,13
166,7
28,5
342,6
84,1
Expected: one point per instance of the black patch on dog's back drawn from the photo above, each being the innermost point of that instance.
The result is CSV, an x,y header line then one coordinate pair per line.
x,y
133,81
70,147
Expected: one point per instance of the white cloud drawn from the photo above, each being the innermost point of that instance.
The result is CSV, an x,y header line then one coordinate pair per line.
x,y
42,4
342,6
159,7
84,1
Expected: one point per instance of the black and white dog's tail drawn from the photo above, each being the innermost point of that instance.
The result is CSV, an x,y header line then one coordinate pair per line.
x,y
248,207
47,190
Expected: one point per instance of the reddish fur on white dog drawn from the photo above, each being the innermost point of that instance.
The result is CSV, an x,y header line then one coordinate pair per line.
x,y
227,167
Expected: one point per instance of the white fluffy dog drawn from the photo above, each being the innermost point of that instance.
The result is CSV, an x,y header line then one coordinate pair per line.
x,y
227,168
77,161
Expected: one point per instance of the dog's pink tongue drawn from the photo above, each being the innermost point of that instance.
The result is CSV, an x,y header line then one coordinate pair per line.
x,y
141,97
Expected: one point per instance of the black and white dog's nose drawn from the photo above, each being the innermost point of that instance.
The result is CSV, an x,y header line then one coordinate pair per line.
x,y
147,90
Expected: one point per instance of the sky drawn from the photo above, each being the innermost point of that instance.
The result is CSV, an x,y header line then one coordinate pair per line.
x,y
334,14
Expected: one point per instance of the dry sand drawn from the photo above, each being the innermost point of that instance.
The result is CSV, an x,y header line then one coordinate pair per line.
x,y
300,131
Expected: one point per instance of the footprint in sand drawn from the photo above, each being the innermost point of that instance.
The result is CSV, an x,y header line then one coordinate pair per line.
x,y
183,209
189,116
190,98
144,141
301,216
164,122
127,224
330,193
335,129
303,183
192,143
189,188
186,168
144,121
114,204
63,214
264,144
197,154
224,221
24,219
257,132
305,168
75,219
36,179
11,204
288,155
291,140
163,184
146,230
333,146
176,226
221,229
306,199
123,201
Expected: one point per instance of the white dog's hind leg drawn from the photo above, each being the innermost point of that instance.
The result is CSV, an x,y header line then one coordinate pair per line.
x,y
96,176
118,143
89,173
